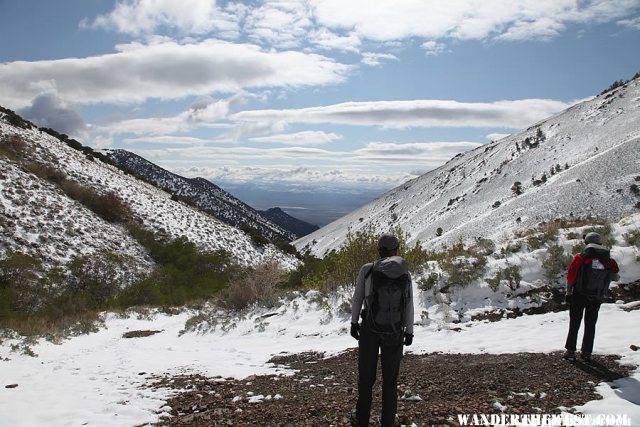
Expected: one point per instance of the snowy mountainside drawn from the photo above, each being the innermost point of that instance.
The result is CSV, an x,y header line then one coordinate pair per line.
x,y
286,221
43,219
593,148
202,193
37,219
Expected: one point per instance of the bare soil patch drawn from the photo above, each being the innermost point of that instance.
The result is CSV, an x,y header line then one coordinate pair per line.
x,y
434,388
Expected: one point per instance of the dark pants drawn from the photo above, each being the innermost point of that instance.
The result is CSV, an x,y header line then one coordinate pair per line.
x,y
391,354
579,305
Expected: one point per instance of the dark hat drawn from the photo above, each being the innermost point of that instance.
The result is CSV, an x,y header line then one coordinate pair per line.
x,y
593,237
388,242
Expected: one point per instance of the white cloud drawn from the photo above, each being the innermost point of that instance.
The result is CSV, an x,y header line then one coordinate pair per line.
x,y
329,40
167,139
344,25
374,59
136,17
165,70
433,48
633,23
465,19
296,175
300,138
281,23
434,153
418,113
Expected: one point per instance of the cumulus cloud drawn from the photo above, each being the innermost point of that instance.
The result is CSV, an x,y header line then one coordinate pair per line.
x,y
47,110
466,19
420,113
136,17
345,25
300,138
284,24
167,70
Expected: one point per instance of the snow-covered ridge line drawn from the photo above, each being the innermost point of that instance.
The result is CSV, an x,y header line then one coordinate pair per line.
x,y
202,193
471,195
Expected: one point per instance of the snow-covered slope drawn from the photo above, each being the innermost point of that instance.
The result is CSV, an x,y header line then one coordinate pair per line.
x,y
44,214
471,195
201,193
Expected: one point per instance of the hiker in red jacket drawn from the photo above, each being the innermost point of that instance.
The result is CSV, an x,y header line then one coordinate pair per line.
x,y
588,279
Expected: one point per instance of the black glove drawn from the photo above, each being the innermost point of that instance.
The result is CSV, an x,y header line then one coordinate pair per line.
x,y
408,339
355,330
567,298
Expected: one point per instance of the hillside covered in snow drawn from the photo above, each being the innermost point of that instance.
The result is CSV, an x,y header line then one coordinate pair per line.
x,y
40,219
584,162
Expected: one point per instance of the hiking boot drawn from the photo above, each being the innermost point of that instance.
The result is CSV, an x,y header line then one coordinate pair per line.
x,y
586,357
569,355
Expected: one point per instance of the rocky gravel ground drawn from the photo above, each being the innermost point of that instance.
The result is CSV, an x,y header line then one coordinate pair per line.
x,y
434,388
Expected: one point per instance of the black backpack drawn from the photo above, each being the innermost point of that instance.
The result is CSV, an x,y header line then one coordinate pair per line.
x,y
594,277
386,302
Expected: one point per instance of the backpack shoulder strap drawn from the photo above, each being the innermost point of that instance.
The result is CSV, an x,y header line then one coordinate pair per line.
x,y
367,283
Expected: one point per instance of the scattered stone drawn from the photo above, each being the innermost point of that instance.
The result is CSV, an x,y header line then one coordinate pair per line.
x,y
140,334
11,386
447,384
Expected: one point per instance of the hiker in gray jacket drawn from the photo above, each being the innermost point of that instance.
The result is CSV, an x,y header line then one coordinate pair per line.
x,y
384,299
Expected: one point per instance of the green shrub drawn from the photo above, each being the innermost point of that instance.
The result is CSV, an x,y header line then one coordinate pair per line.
x,y
510,274
484,246
545,235
258,239
462,270
21,288
427,283
632,238
94,280
555,263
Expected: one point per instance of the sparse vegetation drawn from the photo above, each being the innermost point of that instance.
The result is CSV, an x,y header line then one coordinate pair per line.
x,y
510,274
555,263
516,188
428,282
632,238
544,235
257,284
341,267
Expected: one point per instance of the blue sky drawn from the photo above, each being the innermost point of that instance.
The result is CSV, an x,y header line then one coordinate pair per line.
x,y
315,94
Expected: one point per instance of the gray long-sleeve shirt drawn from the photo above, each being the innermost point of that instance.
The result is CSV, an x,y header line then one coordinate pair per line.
x,y
393,267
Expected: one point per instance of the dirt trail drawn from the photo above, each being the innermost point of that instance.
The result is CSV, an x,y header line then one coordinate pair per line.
x,y
435,387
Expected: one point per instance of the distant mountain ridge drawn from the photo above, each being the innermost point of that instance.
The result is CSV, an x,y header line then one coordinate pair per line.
x,y
203,194
277,216
583,162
